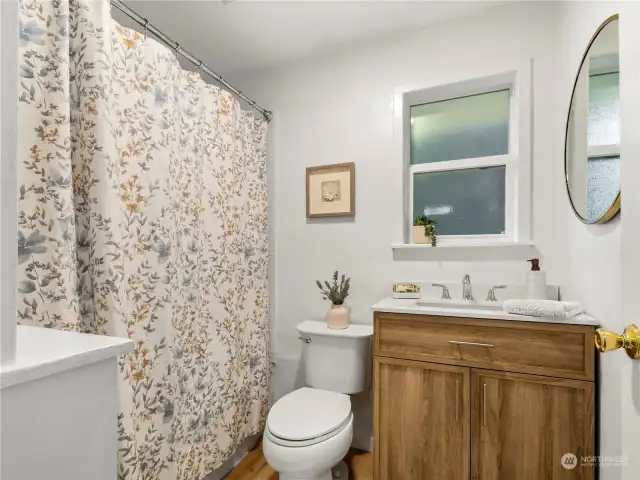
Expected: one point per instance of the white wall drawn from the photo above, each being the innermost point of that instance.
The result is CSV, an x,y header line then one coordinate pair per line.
x,y
592,253
628,372
595,273
340,108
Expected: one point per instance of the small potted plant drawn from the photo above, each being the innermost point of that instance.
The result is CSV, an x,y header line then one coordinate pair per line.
x,y
337,317
424,230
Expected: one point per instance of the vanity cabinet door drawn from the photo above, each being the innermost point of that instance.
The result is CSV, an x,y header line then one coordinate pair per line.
x,y
523,425
421,424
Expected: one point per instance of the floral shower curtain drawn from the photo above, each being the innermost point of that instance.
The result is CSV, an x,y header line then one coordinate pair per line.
x,y
143,213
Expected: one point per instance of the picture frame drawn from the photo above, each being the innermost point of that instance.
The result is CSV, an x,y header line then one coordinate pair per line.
x,y
331,190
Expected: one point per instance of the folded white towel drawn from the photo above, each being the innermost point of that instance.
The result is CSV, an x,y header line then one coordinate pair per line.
x,y
542,308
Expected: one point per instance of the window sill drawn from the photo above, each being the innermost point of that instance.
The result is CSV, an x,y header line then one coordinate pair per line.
x,y
466,251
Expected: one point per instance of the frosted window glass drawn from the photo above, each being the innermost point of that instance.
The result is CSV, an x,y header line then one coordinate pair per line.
x,y
463,202
466,127
604,110
603,185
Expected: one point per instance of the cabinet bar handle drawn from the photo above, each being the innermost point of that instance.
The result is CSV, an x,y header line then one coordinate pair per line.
x,y
484,405
473,344
457,397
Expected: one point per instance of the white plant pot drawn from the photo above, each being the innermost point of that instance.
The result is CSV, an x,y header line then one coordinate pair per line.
x,y
338,317
418,236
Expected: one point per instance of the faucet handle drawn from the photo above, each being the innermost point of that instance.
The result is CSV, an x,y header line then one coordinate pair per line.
x,y
467,294
491,294
445,290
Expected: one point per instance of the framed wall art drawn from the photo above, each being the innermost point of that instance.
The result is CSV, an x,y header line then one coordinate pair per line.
x,y
331,190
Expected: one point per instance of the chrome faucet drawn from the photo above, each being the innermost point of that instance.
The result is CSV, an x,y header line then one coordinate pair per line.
x,y
445,290
491,294
466,288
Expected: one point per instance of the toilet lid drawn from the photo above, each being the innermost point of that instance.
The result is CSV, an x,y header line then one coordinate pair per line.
x,y
308,413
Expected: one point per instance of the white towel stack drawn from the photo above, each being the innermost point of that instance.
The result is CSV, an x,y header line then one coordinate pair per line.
x,y
542,308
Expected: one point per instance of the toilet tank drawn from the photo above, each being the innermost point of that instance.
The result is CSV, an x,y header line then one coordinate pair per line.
x,y
335,360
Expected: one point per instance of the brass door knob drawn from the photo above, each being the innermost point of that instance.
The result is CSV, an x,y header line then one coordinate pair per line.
x,y
607,341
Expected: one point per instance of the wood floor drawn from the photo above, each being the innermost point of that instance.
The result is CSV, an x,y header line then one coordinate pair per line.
x,y
254,466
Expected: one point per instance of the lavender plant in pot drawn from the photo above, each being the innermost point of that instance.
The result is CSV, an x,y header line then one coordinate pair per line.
x,y
337,317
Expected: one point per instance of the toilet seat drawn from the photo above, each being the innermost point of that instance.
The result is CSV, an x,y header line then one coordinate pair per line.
x,y
312,441
308,416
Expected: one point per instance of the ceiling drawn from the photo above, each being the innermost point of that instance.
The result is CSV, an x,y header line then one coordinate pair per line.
x,y
241,36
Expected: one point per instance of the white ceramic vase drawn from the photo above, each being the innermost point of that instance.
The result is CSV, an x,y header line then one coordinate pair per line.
x,y
337,317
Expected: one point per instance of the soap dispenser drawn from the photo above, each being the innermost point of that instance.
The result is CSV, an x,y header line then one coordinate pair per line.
x,y
536,280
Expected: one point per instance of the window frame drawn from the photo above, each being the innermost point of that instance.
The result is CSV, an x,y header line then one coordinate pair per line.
x,y
613,149
517,161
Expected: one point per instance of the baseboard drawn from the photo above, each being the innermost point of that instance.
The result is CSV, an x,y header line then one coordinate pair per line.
x,y
365,444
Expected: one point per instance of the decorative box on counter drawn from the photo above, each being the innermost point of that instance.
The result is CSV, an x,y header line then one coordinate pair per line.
x,y
406,290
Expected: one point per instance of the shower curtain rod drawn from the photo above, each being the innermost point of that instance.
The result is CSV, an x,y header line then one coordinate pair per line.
x,y
150,28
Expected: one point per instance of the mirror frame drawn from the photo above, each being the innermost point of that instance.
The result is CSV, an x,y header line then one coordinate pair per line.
x,y
614,208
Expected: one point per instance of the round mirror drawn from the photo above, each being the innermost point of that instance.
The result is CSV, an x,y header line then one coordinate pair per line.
x,y
592,142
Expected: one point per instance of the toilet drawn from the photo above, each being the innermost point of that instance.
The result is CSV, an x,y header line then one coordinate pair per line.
x,y
309,431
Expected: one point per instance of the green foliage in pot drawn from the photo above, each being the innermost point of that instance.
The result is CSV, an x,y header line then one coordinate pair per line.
x,y
429,227
336,292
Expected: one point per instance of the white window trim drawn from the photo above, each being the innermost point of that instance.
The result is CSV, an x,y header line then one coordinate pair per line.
x,y
604,150
518,160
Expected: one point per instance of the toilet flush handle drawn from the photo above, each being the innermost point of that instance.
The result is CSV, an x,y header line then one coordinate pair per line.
x,y
304,339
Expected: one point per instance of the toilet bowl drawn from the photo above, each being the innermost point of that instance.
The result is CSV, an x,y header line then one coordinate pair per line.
x,y
308,432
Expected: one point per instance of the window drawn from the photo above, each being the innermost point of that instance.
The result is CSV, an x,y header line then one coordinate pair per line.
x,y
603,135
466,155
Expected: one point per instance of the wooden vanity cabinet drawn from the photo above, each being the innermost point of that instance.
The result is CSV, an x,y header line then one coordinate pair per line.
x,y
415,403
454,400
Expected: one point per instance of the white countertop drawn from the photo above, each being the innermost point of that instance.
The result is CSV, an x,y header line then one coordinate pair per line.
x,y
394,305
43,351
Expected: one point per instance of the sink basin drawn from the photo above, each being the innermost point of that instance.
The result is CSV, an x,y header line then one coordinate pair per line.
x,y
459,304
